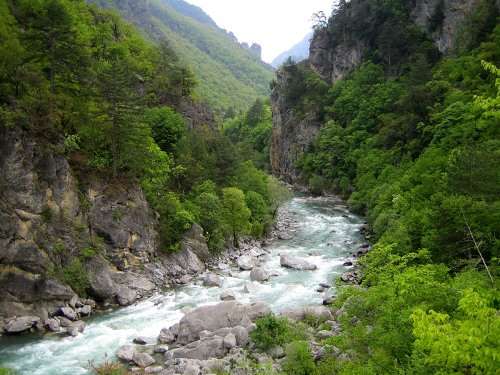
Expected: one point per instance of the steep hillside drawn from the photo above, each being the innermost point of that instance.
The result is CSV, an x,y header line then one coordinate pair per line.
x,y
398,110
228,74
298,52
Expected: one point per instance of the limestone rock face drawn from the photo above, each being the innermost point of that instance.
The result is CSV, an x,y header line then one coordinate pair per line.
x,y
47,219
292,133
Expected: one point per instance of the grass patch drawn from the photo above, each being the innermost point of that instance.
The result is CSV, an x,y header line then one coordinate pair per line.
x,y
274,331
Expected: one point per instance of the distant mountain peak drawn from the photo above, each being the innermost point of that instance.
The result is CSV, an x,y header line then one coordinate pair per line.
x,y
298,52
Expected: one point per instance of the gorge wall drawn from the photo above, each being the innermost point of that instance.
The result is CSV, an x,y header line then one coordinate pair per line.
x,y
57,223
333,59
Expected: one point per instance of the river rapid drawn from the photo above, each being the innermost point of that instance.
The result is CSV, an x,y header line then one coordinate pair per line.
x,y
322,230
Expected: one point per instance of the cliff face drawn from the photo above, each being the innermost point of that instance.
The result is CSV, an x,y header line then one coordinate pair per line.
x,y
332,60
292,133
51,217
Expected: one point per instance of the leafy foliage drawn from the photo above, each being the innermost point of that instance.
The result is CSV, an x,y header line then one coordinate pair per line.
x,y
272,331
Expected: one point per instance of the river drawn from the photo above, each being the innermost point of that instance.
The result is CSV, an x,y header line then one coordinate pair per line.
x,y
323,231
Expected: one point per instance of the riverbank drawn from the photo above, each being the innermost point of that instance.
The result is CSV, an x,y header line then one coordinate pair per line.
x,y
318,230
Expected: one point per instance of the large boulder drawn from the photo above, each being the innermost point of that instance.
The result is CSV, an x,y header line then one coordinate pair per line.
x,y
125,296
212,280
296,263
210,347
102,286
259,274
21,324
143,359
318,312
166,336
223,315
246,262
68,313
227,295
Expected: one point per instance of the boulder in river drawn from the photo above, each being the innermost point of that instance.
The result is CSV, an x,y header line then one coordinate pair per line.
x,y
296,263
223,315
68,313
259,274
166,336
246,262
126,296
212,280
126,353
143,359
21,324
227,295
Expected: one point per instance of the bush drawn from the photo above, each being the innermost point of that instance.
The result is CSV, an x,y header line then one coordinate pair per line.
x,y
317,185
299,360
274,331
6,371
75,275
109,368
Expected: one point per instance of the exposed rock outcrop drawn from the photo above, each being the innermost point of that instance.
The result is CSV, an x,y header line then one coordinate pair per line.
x,y
292,133
333,59
53,217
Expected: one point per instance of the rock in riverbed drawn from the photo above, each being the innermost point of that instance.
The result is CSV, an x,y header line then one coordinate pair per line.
x,y
212,280
295,263
246,263
21,324
259,274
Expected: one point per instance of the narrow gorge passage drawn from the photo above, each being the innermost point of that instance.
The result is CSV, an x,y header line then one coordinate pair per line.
x,y
321,230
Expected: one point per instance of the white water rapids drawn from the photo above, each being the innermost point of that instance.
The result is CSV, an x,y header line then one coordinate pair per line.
x,y
325,233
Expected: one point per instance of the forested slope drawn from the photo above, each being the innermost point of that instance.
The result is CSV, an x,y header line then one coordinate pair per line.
x,y
99,172
228,74
407,127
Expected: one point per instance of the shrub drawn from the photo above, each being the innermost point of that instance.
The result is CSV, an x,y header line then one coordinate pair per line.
x,y
6,371
109,368
317,185
75,275
299,360
274,331
88,253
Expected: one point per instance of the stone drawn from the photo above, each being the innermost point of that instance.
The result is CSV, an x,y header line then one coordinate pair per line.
x,y
212,280
101,283
153,370
68,313
143,360
126,296
325,285
166,336
52,325
259,274
85,310
211,347
223,315
319,312
65,322
241,335
296,263
324,334
126,353
161,349
227,295
277,352
21,324
250,288
140,341
230,341
246,263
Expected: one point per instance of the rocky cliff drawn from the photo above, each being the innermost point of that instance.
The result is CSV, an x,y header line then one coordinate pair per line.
x,y
333,58
292,132
64,233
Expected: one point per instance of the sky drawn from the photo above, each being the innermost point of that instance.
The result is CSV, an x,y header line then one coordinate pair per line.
x,y
276,25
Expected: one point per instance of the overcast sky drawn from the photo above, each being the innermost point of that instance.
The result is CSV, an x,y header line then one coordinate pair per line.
x,y
275,24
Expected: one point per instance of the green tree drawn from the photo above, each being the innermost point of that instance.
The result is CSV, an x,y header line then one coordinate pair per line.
x,y
236,213
167,126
